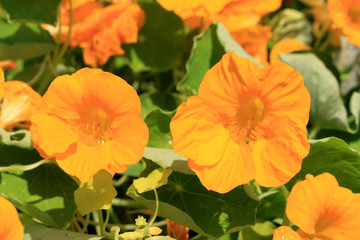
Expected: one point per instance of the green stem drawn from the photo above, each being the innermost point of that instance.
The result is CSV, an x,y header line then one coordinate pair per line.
x,y
314,131
321,35
39,73
328,40
113,215
25,167
96,222
126,203
120,181
286,221
87,219
156,208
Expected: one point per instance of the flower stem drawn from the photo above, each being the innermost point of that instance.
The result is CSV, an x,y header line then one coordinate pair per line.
x,y
156,208
126,203
25,167
286,221
120,181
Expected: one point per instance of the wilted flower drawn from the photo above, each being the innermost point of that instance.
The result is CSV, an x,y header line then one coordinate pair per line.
x,y
286,46
10,227
246,123
324,210
20,102
90,121
346,17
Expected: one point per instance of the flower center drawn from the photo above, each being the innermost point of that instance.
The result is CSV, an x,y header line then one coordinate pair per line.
x,y
94,126
354,13
246,126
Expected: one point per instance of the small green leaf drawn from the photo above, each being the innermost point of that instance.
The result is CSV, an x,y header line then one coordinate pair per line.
x,y
334,156
42,11
327,108
167,158
208,49
96,194
23,142
164,101
23,40
185,201
261,231
160,42
155,179
158,123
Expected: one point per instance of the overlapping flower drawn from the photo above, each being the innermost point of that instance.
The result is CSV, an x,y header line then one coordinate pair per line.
x,y
10,227
246,123
90,121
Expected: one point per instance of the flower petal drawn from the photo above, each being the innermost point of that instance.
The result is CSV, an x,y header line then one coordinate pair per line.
x,y
51,134
128,143
86,161
198,132
10,227
285,233
234,169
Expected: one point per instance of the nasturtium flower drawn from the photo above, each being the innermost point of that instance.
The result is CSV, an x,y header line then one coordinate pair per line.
x,y
20,102
286,46
246,123
90,121
101,30
10,227
2,80
346,17
324,210
285,233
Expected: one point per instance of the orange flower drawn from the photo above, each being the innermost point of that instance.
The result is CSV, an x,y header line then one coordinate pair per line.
x,y
346,17
10,227
8,64
19,104
285,233
322,209
2,80
254,41
90,121
246,123
101,30
286,46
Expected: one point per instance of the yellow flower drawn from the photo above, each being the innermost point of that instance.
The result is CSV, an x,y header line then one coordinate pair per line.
x,y
346,17
90,121
19,104
286,46
324,210
10,227
246,123
285,233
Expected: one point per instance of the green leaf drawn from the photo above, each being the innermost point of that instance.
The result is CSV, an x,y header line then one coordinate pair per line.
x,y
160,42
158,123
167,158
155,179
164,101
185,201
261,231
45,193
42,11
327,108
134,170
36,231
334,156
96,194
208,49
272,205
23,40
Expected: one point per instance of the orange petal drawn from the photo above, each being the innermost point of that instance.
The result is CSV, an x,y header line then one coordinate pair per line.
x,y
320,207
286,46
51,134
10,227
86,161
19,104
283,93
198,132
233,169
226,81
279,156
128,143
285,233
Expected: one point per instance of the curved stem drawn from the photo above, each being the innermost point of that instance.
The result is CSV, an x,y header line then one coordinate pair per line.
x,y
120,181
87,219
126,203
39,73
286,221
156,208
25,167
